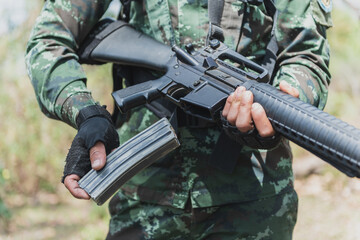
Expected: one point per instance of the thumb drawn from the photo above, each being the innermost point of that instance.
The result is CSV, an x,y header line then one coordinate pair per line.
x,y
98,156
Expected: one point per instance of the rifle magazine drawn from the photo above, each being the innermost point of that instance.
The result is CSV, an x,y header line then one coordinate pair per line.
x,y
130,158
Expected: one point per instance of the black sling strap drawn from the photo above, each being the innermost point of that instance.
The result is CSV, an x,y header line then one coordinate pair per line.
x,y
269,61
215,11
125,10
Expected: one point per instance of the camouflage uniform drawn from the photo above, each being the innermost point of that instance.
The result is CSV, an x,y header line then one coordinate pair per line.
x,y
182,196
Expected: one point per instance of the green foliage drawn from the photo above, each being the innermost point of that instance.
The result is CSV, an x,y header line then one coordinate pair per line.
x,y
345,51
97,214
344,96
344,36
344,92
5,213
34,147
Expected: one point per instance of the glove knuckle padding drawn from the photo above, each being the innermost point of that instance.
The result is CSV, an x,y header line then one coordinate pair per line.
x,y
99,129
250,138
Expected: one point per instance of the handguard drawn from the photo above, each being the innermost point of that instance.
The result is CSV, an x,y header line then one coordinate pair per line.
x,y
130,158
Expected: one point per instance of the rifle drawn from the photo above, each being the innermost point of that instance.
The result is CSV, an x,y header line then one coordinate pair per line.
x,y
200,81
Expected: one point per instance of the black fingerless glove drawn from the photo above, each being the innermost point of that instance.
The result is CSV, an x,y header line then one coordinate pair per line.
x,y
94,124
250,138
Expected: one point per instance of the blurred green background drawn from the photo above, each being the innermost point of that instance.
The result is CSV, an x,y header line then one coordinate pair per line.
x,y
35,205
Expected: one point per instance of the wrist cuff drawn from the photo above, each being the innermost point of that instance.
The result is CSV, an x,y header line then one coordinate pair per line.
x,y
92,111
250,138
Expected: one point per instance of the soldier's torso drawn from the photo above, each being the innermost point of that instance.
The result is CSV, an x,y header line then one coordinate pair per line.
x,y
186,172
246,27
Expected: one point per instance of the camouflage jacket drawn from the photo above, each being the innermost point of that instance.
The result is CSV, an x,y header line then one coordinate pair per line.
x,y
303,60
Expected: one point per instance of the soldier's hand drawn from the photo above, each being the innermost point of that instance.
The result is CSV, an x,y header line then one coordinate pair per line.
x,y
242,112
98,160
96,138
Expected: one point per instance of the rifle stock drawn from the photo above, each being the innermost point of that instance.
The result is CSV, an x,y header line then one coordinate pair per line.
x,y
122,44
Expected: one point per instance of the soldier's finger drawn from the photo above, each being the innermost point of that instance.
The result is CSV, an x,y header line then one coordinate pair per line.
x,y
226,109
234,108
98,156
287,88
71,183
244,121
261,121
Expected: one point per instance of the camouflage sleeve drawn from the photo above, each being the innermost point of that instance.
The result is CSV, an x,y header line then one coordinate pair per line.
x,y
52,63
303,58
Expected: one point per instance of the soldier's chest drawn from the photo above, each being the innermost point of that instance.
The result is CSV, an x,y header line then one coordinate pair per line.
x,y
184,21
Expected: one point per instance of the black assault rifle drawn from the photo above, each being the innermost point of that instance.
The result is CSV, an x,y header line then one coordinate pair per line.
x,y
200,81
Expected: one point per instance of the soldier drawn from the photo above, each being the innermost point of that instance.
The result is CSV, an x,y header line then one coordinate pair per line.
x,y
183,196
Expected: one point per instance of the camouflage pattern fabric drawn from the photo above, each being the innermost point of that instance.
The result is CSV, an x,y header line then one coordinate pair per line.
x,y
270,218
186,173
185,176
52,63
